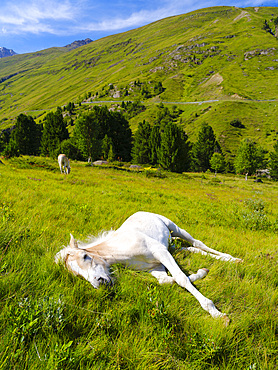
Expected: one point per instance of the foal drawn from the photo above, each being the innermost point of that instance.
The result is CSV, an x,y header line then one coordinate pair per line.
x,y
141,243
64,163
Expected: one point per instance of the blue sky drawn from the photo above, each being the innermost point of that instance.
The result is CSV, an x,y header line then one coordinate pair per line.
x,y
33,25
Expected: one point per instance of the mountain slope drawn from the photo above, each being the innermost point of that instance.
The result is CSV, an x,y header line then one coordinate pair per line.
x,y
218,53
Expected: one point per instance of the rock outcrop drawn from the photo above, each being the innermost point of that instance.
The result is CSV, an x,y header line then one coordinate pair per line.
x,y
6,52
78,43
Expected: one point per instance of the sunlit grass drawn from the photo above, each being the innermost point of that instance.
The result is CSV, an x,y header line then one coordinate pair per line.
x,y
52,319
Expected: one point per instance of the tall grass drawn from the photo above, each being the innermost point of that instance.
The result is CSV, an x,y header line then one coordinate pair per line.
x,y
50,319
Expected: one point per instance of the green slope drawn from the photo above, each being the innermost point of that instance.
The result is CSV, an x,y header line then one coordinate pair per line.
x,y
218,53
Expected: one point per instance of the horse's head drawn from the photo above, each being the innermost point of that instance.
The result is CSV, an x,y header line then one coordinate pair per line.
x,y
80,262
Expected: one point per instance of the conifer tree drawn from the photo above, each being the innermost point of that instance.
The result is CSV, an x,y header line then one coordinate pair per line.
x,y
120,133
102,132
54,132
173,154
141,151
26,135
204,148
86,135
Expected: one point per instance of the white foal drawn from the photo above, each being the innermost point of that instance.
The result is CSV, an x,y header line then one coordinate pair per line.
x,y
141,243
64,163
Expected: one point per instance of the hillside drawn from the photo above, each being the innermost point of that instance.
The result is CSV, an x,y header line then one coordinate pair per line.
x,y
225,56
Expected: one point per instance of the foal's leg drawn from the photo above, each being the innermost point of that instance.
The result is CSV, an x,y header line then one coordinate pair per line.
x,y
222,256
60,165
177,232
161,253
160,274
199,246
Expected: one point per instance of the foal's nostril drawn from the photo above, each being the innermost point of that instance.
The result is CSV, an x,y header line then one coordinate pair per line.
x,y
103,281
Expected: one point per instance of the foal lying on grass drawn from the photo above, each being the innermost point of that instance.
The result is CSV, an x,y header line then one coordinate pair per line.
x,y
141,243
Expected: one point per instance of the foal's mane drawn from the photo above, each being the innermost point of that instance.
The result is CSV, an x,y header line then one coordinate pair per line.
x,y
89,245
93,241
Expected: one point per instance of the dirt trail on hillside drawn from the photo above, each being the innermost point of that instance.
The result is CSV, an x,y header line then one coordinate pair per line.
x,y
216,79
243,14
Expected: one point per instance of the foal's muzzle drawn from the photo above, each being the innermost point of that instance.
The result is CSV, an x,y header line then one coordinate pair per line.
x,y
107,282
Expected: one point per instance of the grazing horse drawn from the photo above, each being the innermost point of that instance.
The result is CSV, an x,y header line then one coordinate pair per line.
x,y
64,163
141,243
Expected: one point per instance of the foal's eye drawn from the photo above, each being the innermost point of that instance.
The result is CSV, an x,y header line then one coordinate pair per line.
x,y
86,257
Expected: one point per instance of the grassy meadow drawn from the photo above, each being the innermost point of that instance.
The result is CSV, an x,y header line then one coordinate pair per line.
x,y
50,319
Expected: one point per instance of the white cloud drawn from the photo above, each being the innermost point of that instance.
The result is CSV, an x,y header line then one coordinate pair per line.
x,y
152,11
118,23
133,20
35,16
69,17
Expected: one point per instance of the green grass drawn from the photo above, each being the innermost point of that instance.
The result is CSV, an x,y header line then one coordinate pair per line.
x,y
50,319
186,53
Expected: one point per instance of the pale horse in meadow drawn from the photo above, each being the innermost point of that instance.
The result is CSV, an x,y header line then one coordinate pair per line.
x,y
140,243
64,163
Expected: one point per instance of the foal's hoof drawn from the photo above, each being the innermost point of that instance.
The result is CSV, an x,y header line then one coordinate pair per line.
x,y
203,272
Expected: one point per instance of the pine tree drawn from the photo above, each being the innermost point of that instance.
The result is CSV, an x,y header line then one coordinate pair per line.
x,y
86,135
163,116
26,136
141,151
121,135
173,154
204,148
92,128
54,132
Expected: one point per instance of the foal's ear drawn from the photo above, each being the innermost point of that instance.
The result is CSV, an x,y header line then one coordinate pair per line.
x,y
73,242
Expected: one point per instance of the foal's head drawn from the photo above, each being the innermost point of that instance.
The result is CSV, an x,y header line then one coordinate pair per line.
x,y
81,262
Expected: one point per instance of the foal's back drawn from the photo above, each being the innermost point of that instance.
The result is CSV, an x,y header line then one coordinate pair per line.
x,y
149,224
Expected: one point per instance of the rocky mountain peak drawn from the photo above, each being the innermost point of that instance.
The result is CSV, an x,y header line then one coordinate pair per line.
x,y
6,52
78,43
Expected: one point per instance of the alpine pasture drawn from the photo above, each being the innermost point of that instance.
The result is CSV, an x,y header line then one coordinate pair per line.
x,y
50,319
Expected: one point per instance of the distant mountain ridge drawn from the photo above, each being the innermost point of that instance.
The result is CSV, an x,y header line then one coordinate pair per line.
x,y
6,52
76,44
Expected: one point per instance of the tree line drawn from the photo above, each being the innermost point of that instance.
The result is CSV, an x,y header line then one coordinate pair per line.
x,y
97,133
101,133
